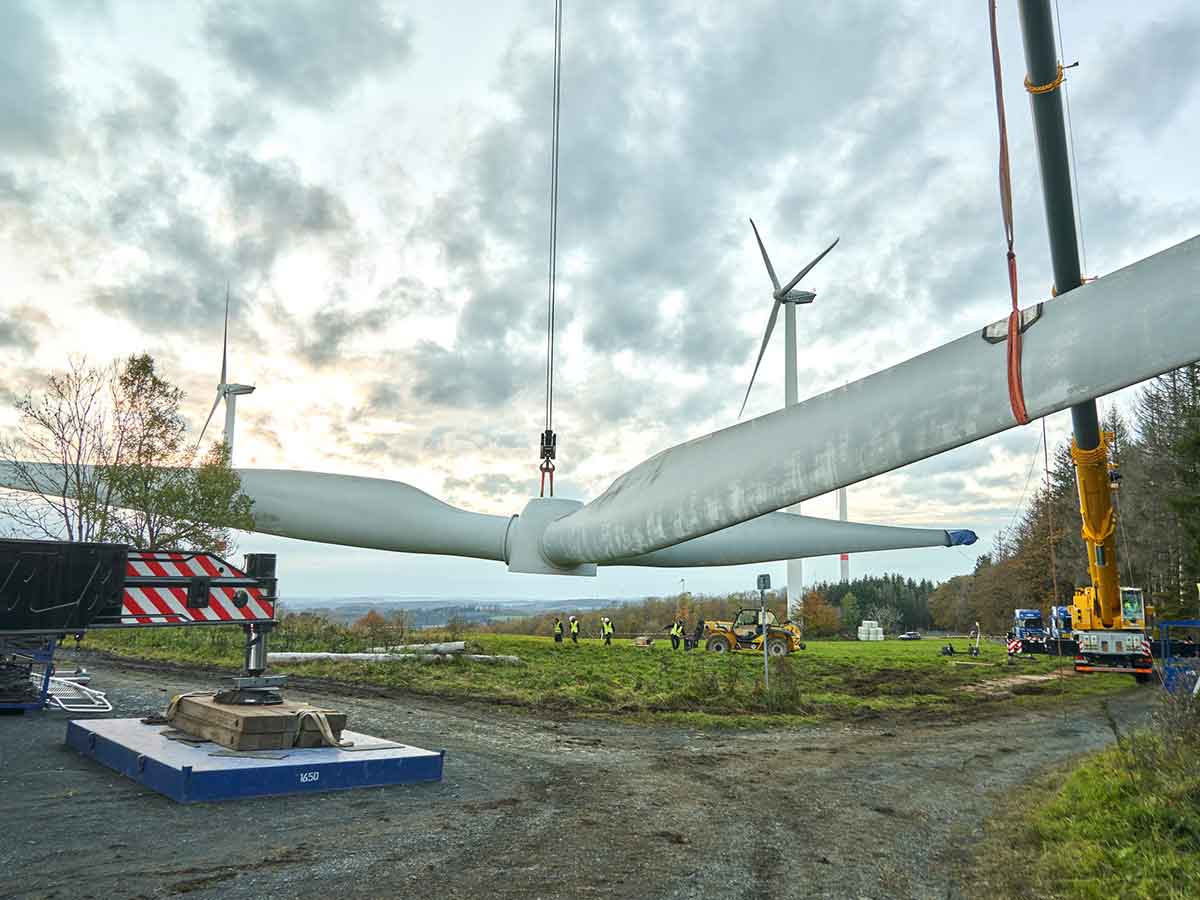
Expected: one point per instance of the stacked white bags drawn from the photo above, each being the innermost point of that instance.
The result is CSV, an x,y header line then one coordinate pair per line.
x,y
869,630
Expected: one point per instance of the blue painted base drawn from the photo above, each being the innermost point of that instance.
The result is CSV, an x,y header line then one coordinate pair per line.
x,y
190,774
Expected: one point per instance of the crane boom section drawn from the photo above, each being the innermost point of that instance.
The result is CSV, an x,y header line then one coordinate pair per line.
x,y
1098,532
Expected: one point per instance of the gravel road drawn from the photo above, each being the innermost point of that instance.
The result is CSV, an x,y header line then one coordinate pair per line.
x,y
535,807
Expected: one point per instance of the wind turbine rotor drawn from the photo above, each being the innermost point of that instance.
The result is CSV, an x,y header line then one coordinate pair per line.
x,y
781,293
761,350
225,336
216,403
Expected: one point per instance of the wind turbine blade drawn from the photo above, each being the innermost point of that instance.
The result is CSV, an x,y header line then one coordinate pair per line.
x,y
225,335
791,284
1131,325
333,509
761,350
369,512
780,535
766,259
200,439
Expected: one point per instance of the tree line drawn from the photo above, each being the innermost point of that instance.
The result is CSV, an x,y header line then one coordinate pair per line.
x,y
1041,559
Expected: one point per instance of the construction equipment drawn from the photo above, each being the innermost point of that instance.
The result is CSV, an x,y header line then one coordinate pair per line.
x,y
1109,621
49,589
1029,629
745,632
1180,667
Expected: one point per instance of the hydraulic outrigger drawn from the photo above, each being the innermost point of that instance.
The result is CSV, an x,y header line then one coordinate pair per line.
x,y
1109,621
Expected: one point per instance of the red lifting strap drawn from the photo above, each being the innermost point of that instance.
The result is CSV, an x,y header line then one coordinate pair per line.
x,y
1016,392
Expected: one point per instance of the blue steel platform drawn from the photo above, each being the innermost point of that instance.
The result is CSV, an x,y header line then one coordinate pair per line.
x,y
191,774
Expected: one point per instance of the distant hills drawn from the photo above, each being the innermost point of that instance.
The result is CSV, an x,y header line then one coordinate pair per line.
x,y
434,612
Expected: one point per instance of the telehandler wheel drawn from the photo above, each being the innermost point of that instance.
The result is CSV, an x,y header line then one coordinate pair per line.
x,y
1143,679
777,647
717,644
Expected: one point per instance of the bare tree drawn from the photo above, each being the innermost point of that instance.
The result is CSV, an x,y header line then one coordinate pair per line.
x,y
60,457
104,455
888,617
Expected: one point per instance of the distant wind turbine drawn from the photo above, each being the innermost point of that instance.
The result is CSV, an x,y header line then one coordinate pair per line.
x,y
787,298
226,391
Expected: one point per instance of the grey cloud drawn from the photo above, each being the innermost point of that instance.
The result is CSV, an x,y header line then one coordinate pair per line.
x,y
328,336
485,376
14,191
271,196
238,117
155,113
493,485
274,208
310,53
17,333
33,108
1162,54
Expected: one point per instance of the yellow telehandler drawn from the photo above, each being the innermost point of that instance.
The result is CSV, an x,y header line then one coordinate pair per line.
x,y
745,632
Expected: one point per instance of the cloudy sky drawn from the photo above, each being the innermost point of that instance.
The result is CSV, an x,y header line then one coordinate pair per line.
x,y
373,179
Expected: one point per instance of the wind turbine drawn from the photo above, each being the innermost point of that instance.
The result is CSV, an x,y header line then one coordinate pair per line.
x,y
789,299
226,391
712,501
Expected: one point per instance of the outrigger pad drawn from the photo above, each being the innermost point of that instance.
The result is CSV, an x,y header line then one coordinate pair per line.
x,y
205,772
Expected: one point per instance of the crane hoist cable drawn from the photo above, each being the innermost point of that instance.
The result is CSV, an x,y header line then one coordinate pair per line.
x,y
549,441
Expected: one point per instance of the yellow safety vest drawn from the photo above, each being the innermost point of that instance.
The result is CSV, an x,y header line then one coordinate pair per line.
x,y
575,627
608,627
558,627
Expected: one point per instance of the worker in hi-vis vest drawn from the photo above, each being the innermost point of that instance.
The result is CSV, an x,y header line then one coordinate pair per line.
x,y
574,630
676,634
606,629
558,630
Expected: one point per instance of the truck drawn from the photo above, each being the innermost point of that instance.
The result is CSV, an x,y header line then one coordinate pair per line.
x,y
1029,629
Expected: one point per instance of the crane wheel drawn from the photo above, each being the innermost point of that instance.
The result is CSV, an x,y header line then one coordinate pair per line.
x,y
717,644
777,647
1143,679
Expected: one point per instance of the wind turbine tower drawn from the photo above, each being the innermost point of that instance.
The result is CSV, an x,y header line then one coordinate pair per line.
x,y
789,299
226,391
841,495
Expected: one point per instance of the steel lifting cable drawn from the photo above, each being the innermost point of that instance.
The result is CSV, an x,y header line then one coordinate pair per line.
x,y
549,442
1016,392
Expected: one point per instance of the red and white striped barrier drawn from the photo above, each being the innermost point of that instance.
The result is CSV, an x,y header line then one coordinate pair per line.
x,y
156,591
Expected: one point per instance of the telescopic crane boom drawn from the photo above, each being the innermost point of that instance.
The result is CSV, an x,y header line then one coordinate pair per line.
x,y
1109,620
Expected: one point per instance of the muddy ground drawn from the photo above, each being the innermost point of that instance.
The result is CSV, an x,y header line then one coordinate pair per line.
x,y
535,807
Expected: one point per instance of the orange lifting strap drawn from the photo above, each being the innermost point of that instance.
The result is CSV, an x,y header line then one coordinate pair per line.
x,y
1016,392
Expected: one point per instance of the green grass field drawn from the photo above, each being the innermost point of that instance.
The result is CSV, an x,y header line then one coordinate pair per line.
x,y
829,680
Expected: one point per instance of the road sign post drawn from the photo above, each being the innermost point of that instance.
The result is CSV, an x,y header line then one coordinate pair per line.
x,y
764,585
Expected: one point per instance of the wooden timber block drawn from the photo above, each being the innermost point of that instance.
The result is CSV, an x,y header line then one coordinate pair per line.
x,y
235,727
231,738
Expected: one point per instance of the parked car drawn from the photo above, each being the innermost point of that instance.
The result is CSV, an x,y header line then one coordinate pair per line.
x,y
910,636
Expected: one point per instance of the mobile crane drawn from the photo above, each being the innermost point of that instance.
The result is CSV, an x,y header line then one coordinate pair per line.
x,y
1108,620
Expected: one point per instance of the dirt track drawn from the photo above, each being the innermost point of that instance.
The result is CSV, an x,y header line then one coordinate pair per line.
x,y
535,807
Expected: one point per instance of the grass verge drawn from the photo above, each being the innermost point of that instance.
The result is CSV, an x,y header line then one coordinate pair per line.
x,y
1124,823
